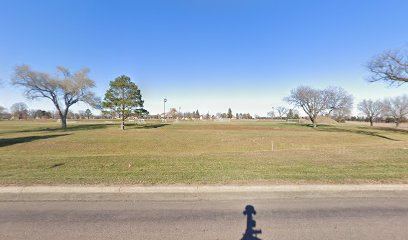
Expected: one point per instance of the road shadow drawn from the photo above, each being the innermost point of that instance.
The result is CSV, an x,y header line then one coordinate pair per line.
x,y
358,130
250,232
11,141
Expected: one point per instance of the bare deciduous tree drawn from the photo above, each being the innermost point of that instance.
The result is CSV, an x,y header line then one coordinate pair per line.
x,y
2,110
3,113
372,110
19,110
389,66
173,113
64,90
270,114
340,103
396,108
40,114
282,111
312,101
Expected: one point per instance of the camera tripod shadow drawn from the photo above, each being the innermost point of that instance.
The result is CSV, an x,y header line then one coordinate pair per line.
x,y
250,232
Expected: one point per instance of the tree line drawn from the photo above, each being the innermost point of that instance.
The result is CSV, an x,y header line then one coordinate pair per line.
x,y
123,98
390,66
20,111
336,103
391,108
174,114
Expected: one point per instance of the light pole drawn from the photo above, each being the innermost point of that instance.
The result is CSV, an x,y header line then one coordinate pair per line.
x,y
164,109
273,113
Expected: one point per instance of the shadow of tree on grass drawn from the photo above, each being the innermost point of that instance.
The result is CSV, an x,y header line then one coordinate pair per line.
x,y
59,129
359,130
149,126
11,141
135,126
82,127
57,165
388,129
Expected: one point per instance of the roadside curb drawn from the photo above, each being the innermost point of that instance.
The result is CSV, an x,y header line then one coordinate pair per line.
x,y
203,189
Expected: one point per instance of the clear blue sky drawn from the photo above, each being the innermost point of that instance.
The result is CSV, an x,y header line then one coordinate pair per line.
x,y
206,55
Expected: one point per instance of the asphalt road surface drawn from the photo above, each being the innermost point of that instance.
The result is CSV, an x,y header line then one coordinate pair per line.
x,y
384,218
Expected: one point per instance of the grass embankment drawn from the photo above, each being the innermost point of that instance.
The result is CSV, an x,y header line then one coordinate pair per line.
x,y
92,152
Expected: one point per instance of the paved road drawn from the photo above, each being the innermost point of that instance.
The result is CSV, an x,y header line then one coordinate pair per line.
x,y
280,219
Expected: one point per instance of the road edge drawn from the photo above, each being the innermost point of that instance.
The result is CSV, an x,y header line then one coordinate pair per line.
x,y
202,188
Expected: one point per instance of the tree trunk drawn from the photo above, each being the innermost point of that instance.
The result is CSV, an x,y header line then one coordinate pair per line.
x,y
63,115
63,122
314,122
63,118
397,122
371,122
122,126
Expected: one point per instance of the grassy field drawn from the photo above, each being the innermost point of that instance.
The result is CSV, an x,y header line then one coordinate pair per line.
x,y
89,152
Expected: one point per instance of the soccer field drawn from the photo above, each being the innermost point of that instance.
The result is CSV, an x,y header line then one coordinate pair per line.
x,y
237,152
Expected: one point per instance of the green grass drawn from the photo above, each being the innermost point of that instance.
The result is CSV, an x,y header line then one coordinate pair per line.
x,y
96,152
